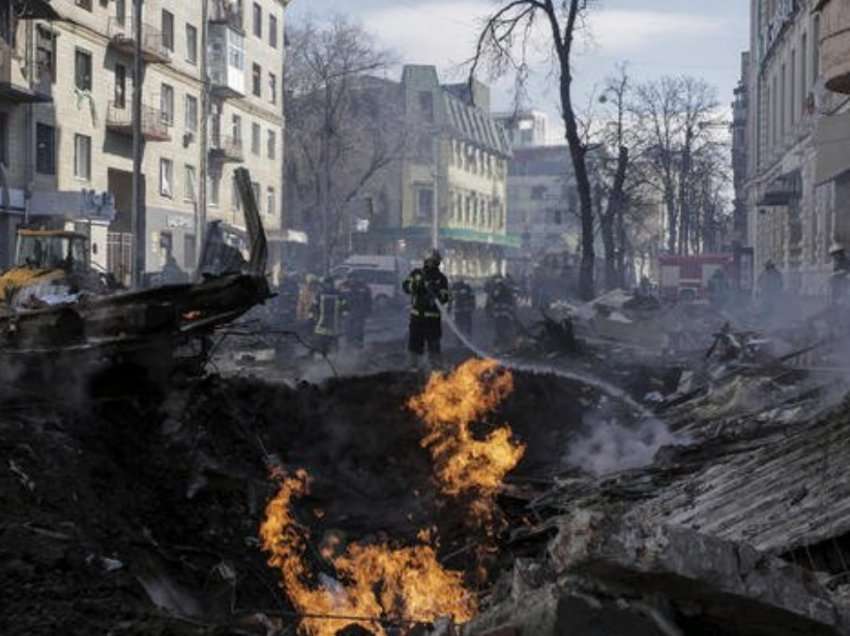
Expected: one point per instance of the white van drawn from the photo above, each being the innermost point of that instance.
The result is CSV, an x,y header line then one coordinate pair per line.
x,y
383,274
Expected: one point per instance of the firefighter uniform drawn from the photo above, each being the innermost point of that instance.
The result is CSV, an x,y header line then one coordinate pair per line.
x,y
358,302
425,287
463,306
328,313
501,308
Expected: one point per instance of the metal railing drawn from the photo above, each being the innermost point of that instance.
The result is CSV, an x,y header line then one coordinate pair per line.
x,y
120,118
227,147
122,32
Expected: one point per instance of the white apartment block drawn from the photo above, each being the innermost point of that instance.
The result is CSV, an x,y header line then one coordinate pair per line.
x,y
68,148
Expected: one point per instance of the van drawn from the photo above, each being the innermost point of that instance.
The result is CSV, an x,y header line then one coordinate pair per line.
x,y
383,275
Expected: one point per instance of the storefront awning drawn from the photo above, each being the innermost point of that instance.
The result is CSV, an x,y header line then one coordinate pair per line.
x,y
832,141
423,233
85,205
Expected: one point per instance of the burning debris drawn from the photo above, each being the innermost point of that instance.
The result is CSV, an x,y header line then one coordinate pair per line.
x,y
373,585
449,407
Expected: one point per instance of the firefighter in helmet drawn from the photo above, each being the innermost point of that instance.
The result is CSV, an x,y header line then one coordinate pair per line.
x,y
428,288
328,313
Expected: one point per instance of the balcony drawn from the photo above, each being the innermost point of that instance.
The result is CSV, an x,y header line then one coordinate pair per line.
x,y
120,121
226,61
226,13
835,45
122,37
15,86
226,150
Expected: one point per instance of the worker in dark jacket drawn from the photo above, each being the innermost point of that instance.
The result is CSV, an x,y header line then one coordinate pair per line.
x,y
501,309
426,287
463,305
328,313
358,302
770,286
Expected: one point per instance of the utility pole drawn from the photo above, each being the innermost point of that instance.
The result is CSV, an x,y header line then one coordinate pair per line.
x,y
137,215
435,213
201,213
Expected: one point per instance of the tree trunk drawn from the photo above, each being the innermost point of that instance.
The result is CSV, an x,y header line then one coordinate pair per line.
x,y
609,218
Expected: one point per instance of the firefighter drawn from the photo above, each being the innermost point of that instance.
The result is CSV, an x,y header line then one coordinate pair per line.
x,y
329,310
288,297
770,286
358,301
463,305
426,287
501,309
718,288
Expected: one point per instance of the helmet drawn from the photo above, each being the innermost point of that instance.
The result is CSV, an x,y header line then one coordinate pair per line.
x,y
433,259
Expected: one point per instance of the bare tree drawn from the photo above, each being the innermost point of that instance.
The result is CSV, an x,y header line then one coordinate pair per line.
x,y
341,129
503,47
677,115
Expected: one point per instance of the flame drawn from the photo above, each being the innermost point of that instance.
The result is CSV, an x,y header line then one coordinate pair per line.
x,y
373,581
449,405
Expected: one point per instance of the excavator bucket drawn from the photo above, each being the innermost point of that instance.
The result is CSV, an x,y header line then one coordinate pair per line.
x,y
219,256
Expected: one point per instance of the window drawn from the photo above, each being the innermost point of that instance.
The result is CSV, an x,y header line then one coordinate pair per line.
x,y
237,129
166,104
425,202
45,149
168,30
4,138
189,251
271,143
255,186
270,200
84,4
189,183
166,242
257,81
273,31
816,49
191,44
45,53
120,86
272,88
258,20
121,11
804,73
191,106
235,199
255,138
166,178
82,69
82,157
792,91
214,189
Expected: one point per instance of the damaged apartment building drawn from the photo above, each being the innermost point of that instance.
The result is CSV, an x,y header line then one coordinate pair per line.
x,y
797,186
66,122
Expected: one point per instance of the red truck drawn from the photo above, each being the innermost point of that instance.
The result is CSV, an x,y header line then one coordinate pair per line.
x,y
686,277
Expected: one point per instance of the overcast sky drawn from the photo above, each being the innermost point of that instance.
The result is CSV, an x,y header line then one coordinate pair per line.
x,y
657,37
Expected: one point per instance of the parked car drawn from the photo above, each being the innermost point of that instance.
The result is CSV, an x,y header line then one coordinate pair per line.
x,y
383,275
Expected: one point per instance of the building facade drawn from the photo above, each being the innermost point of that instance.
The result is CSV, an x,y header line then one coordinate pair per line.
x,y
450,189
542,204
795,187
524,129
78,136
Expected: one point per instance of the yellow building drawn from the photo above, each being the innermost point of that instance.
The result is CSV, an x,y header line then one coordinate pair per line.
x,y
68,148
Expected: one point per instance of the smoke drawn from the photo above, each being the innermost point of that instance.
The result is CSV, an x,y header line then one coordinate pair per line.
x,y
607,445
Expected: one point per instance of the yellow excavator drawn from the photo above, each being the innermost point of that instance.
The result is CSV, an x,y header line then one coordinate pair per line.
x,y
50,262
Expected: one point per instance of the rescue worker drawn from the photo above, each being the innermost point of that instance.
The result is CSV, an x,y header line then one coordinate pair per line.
x,y
171,272
839,282
426,287
307,298
770,286
288,297
358,302
328,313
718,288
501,309
463,305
